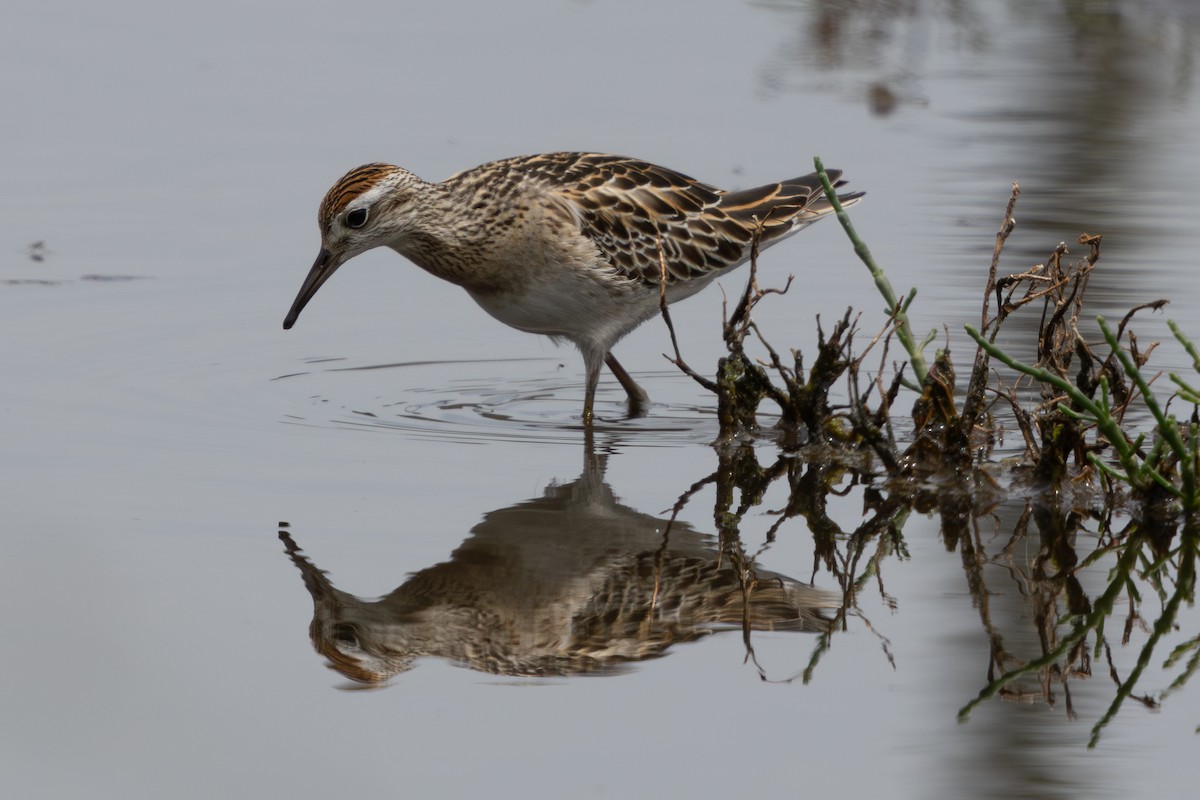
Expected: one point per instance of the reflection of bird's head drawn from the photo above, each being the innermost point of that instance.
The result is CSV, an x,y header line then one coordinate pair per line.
x,y
338,631
342,644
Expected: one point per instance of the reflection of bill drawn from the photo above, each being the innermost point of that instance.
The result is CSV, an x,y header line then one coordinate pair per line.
x,y
569,583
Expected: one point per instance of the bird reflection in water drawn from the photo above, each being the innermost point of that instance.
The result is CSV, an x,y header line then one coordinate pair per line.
x,y
570,583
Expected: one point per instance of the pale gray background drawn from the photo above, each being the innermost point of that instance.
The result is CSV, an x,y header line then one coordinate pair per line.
x,y
154,634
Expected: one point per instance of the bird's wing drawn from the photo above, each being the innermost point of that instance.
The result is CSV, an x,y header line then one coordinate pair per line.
x,y
630,208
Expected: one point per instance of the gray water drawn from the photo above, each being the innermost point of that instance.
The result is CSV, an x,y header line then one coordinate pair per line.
x,y
162,165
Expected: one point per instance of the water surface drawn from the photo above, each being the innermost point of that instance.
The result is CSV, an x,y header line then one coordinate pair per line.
x,y
158,423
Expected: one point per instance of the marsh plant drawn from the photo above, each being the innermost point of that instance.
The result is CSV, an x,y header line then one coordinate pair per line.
x,y
1093,492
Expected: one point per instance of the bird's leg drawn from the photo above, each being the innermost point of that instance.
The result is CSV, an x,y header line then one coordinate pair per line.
x,y
591,364
637,395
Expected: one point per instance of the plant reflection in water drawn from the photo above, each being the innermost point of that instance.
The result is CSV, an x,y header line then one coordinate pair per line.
x,y
575,582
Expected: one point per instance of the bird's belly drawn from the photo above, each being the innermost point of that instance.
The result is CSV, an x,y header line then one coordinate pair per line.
x,y
581,310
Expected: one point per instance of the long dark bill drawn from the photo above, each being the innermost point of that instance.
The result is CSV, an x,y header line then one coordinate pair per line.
x,y
322,268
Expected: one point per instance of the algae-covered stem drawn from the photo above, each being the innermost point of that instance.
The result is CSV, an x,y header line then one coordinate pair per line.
x,y
894,308
1168,428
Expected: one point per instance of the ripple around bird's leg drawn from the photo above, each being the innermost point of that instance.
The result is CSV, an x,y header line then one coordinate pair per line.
x,y
493,405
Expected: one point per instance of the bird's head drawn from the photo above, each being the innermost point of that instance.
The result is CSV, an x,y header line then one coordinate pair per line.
x,y
372,205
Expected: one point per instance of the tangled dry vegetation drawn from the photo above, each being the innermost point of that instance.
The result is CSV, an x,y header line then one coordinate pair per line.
x,y
1083,468
1069,406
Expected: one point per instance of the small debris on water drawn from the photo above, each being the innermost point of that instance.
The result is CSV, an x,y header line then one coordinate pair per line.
x,y
37,251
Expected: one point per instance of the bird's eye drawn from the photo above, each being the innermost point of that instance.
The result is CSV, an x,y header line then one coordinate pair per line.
x,y
356,218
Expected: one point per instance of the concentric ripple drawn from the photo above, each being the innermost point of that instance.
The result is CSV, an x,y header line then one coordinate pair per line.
x,y
472,401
